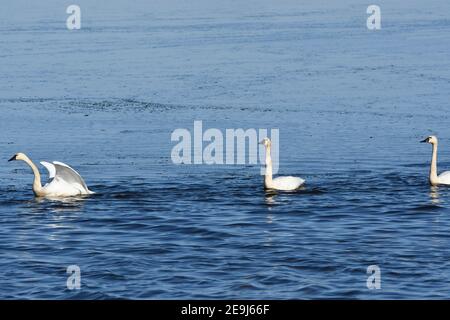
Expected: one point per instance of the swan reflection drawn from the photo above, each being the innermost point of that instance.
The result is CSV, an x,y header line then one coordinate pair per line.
x,y
58,205
270,198
434,195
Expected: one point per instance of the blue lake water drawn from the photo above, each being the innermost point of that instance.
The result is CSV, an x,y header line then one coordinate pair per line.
x,y
350,104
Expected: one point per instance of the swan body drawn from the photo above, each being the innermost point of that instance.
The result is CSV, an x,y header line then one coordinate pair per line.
x,y
435,179
280,183
63,181
444,178
286,183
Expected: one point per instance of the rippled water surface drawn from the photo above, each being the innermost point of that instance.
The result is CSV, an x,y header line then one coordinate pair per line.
x,y
351,106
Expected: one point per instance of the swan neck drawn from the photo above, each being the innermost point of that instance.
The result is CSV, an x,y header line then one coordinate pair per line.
x,y
268,175
433,169
37,186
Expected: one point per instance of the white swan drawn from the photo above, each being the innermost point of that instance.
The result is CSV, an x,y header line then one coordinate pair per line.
x,y
63,180
443,178
279,183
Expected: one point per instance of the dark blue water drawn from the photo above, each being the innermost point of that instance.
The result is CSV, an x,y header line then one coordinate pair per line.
x,y
351,106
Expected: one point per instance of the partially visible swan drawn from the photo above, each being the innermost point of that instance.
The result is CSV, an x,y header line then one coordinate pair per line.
x,y
443,178
63,180
279,183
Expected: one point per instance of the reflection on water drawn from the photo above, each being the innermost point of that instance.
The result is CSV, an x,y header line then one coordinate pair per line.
x,y
434,195
59,205
270,198
276,197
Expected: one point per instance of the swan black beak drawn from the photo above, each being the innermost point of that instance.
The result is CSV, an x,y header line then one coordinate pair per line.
x,y
425,141
13,158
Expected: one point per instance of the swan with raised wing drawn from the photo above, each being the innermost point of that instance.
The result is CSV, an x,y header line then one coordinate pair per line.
x,y
280,183
63,180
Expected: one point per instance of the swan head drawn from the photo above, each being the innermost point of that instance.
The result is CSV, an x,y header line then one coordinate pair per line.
x,y
266,142
18,156
430,139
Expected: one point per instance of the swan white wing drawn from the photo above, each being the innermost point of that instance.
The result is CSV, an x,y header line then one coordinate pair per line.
x,y
70,176
287,183
444,177
51,169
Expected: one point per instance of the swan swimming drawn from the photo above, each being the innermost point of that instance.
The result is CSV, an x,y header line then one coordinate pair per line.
x,y
443,178
63,180
279,183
